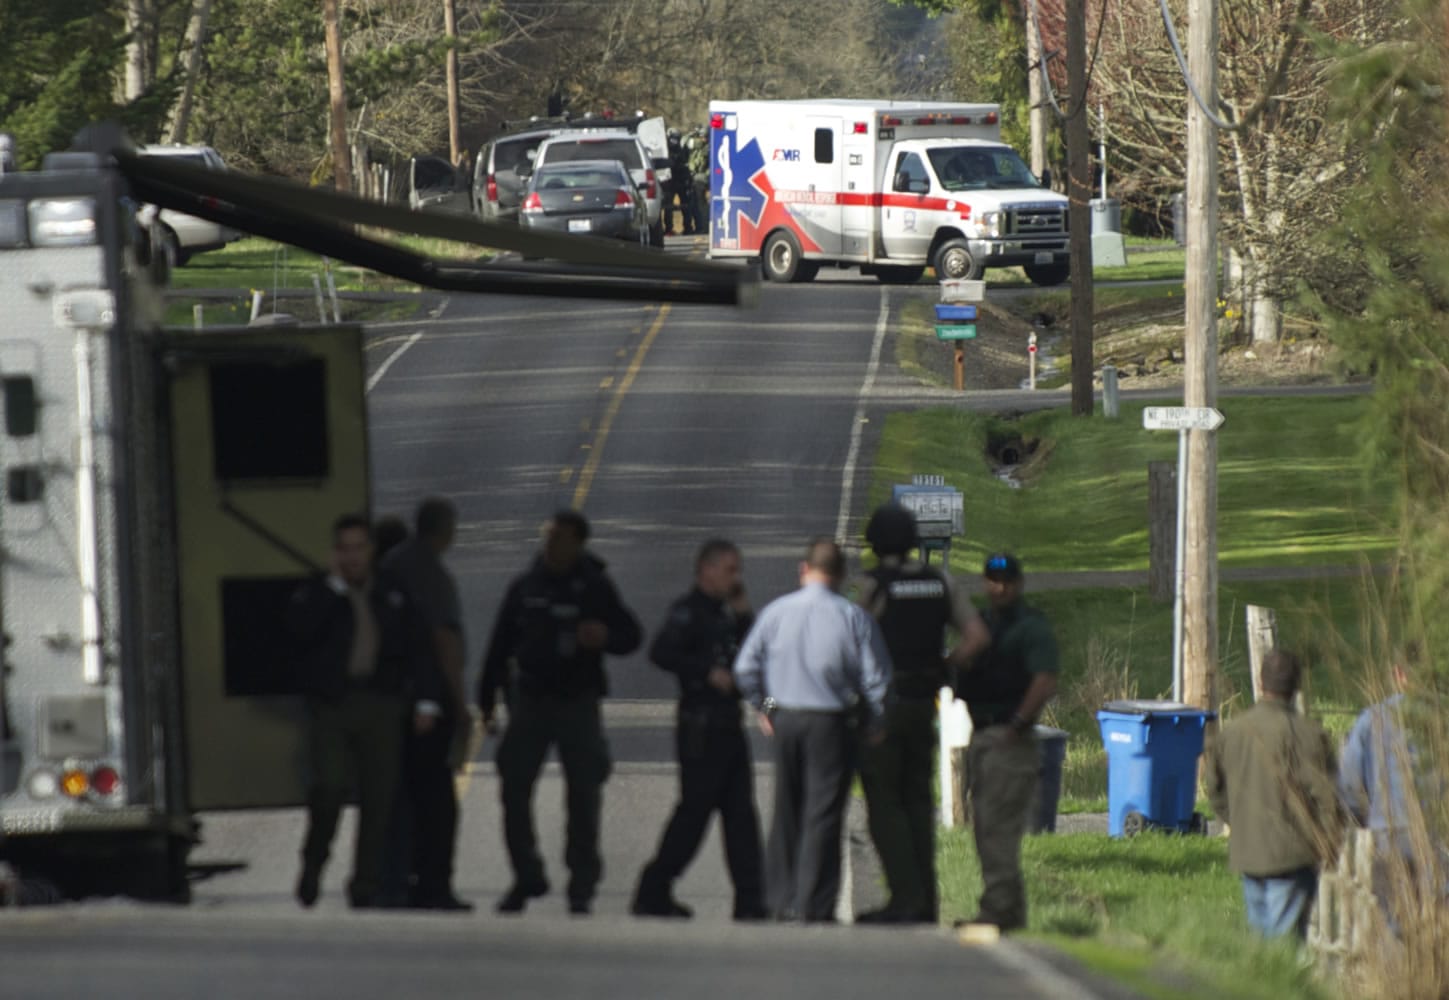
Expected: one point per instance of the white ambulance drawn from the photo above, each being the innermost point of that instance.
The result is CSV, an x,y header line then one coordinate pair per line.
x,y
894,187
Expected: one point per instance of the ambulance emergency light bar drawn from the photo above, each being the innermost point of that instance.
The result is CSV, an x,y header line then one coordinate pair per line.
x,y
717,120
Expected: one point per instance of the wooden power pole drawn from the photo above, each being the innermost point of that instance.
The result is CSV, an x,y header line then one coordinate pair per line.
x,y
337,95
450,27
1200,384
1079,191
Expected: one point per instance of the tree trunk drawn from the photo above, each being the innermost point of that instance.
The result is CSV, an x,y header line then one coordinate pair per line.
x,y
138,68
337,94
1035,97
195,45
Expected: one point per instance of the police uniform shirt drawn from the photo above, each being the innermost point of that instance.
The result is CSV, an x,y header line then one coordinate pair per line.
x,y
814,650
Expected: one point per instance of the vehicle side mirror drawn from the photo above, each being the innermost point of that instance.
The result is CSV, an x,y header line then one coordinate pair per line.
x,y
1046,177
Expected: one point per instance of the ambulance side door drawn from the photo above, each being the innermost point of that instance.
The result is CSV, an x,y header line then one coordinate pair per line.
x,y
906,221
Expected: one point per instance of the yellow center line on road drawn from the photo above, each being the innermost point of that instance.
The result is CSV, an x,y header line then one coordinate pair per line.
x,y
596,453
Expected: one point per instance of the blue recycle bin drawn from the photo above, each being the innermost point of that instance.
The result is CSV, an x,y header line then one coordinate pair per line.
x,y
1152,752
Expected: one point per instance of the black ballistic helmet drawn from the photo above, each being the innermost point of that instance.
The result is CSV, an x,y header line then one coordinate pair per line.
x,y
892,530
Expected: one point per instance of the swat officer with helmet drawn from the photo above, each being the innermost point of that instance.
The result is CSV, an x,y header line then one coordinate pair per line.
x,y
916,606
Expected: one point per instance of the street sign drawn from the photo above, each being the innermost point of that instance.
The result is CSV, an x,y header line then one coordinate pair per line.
x,y
947,313
1181,418
956,331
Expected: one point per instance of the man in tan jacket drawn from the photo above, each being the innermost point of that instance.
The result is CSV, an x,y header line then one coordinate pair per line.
x,y
1270,774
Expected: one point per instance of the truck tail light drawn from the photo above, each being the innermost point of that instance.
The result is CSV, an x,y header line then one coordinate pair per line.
x,y
651,189
492,189
533,203
961,120
42,785
105,780
924,121
990,118
75,783
891,120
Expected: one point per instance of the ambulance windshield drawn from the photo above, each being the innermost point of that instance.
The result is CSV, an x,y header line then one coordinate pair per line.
x,y
977,168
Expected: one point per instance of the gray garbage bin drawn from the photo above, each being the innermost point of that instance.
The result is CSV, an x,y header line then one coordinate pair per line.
x,y
1052,747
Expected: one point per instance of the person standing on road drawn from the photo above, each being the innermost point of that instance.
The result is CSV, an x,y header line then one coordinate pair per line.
x,y
556,623
366,662
810,658
1005,689
915,606
427,811
1271,775
697,643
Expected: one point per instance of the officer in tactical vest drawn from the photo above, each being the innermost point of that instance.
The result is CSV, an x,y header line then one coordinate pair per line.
x,y
916,606
1004,690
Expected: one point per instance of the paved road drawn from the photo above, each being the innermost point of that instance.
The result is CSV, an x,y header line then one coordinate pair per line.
x,y
666,425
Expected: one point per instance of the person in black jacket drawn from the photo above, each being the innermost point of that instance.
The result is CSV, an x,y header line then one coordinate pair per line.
x,y
556,623
698,643
367,664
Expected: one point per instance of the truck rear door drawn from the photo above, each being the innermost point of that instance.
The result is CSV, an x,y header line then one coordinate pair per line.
x,y
269,447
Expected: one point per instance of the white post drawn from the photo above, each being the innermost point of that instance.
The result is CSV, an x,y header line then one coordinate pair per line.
x,y
196,316
332,289
1179,569
321,306
256,303
955,730
1111,399
1031,360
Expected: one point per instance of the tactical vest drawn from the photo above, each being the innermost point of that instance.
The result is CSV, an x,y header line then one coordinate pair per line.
x,y
913,605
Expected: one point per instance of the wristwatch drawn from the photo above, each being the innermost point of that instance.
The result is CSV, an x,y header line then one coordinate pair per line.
x,y
768,706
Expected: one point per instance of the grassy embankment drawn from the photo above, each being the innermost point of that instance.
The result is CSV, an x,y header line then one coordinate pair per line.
x,y
1291,494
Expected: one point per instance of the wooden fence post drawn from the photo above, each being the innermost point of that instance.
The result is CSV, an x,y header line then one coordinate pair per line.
x,y
1161,529
1262,637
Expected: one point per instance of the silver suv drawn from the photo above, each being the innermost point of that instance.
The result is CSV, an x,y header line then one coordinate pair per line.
x,y
620,145
501,172
184,235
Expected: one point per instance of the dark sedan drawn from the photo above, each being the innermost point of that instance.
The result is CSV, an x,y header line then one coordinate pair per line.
x,y
588,197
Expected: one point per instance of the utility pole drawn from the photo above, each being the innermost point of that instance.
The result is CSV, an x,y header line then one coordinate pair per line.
x,y
1035,97
1200,376
1079,191
450,27
337,95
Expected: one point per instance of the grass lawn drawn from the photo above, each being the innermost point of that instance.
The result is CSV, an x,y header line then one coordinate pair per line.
x,y
1290,487
259,263
1116,643
1161,914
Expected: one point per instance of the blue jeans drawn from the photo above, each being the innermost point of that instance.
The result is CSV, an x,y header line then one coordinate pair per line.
x,y
1279,904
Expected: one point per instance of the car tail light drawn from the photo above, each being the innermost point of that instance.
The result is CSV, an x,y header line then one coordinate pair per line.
x,y
492,189
651,191
105,780
533,203
623,199
990,118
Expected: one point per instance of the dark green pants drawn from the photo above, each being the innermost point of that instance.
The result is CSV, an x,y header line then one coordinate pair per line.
x,y
357,738
575,727
1003,771
897,778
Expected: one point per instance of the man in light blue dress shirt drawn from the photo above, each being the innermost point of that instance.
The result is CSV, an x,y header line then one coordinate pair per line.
x,y
810,660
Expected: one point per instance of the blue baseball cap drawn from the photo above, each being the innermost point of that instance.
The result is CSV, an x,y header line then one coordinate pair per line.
x,y
1003,567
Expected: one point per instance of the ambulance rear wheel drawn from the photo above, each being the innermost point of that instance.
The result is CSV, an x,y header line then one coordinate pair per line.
x,y
780,259
954,260
899,275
